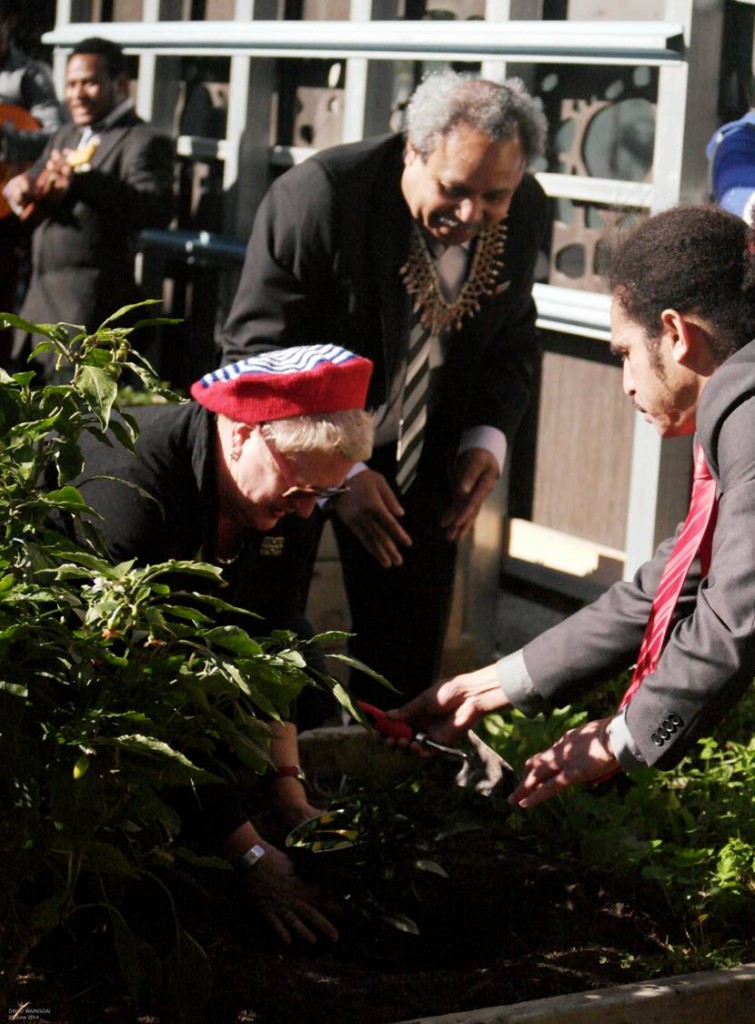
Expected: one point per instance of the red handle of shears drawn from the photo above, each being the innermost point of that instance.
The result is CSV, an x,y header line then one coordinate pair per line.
x,y
403,731
384,725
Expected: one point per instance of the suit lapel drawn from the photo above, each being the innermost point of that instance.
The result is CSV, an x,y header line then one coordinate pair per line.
x,y
110,139
389,246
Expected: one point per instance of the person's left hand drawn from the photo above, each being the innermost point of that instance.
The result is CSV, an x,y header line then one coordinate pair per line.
x,y
475,474
291,802
581,755
292,814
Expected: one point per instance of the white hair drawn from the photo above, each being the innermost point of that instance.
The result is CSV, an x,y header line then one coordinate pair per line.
x,y
446,99
348,432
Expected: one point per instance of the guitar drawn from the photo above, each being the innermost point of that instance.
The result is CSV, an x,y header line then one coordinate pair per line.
x,y
21,120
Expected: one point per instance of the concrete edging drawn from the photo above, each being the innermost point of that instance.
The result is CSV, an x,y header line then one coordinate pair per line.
x,y
710,997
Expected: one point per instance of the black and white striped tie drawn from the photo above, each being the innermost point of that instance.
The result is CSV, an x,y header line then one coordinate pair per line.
x,y
414,402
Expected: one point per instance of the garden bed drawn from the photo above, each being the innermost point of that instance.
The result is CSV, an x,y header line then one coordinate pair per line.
x,y
506,926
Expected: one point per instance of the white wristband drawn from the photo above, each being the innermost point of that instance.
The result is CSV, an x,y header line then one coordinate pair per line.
x,y
252,856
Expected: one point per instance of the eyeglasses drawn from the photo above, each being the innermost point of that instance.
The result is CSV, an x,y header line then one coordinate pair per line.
x,y
297,492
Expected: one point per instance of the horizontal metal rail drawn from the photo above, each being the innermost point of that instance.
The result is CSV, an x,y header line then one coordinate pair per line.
x,y
560,309
608,191
573,311
583,42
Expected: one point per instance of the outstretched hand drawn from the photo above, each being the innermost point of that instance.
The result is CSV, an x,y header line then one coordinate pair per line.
x,y
446,711
581,755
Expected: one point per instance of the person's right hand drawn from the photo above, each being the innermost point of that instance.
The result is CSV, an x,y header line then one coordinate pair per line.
x,y
446,711
290,906
370,510
55,180
19,192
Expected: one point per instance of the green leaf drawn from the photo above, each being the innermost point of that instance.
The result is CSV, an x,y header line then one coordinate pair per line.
x,y
15,689
127,309
329,636
127,951
49,913
190,977
232,638
158,321
49,330
401,922
432,866
159,750
355,663
67,497
124,430
100,389
193,615
104,858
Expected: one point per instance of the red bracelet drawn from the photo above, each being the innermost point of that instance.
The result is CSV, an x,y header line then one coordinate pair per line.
x,y
289,771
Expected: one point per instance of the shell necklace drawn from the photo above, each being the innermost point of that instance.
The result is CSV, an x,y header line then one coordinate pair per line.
x,y
420,278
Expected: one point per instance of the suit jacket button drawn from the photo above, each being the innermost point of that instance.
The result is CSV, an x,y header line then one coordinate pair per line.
x,y
658,740
669,725
676,719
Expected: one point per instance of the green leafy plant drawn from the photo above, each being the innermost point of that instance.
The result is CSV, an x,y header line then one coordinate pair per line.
x,y
115,687
688,834
378,849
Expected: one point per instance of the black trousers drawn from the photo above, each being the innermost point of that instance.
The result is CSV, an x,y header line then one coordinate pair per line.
x,y
400,615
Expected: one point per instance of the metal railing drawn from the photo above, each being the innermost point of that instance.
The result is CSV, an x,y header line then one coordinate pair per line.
x,y
662,44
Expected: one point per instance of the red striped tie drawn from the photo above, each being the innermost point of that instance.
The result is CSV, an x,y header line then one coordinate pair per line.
x,y
695,538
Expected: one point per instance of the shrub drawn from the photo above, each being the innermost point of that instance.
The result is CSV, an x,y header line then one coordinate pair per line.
x,y
689,833
113,687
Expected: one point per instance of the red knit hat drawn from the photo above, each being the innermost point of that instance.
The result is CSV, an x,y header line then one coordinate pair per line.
x,y
308,379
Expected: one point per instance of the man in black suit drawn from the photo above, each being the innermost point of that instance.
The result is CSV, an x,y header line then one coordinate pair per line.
x,y
683,320
342,248
99,182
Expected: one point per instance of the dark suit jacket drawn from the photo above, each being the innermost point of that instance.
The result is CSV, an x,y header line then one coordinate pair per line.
x,y
323,265
168,506
163,504
709,660
83,253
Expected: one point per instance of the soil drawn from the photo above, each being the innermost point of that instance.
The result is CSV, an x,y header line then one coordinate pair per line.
x,y
504,927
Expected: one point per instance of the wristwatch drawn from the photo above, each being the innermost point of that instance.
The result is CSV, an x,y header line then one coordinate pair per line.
x,y
252,856
289,771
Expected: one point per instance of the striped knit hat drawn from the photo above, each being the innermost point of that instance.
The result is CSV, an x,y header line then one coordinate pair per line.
x,y
304,380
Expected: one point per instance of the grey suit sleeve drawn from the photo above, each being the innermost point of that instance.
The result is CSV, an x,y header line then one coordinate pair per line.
x,y
709,660
599,641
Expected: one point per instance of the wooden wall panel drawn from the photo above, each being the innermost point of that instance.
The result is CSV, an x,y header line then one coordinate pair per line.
x,y
584,448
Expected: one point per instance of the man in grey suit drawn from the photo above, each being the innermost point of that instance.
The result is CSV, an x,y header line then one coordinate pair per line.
x,y
100,181
683,320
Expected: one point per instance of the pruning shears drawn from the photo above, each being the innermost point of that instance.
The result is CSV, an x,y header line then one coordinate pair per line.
x,y
396,730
